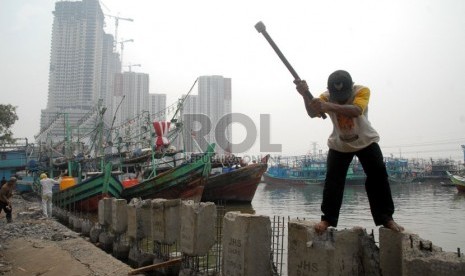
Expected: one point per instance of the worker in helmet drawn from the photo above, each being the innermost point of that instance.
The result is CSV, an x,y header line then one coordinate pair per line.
x,y
47,192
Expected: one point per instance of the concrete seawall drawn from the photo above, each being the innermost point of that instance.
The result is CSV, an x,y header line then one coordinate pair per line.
x,y
188,232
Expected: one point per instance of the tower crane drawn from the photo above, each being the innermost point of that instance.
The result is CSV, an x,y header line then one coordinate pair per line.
x,y
117,19
122,46
132,65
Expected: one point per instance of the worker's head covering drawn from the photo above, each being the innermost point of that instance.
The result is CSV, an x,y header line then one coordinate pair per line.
x,y
11,181
340,86
43,175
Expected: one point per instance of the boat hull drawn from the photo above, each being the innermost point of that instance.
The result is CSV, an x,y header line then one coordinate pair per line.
x,y
185,182
25,184
238,185
350,180
86,195
269,179
458,181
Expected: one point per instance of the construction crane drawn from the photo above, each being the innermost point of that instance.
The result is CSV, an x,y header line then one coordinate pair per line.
x,y
122,47
132,65
117,18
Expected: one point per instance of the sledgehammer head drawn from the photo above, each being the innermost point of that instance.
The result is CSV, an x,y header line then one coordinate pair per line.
x,y
260,27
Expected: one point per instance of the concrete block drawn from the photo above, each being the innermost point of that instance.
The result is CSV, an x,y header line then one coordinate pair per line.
x,y
391,246
95,232
71,221
86,227
77,224
120,249
166,225
439,263
106,240
119,219
158,220
331,253
104,211
134,230
246,244
146,218
407,254
197,227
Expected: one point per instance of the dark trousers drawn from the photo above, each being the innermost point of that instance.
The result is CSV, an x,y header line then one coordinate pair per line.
x,y
3,206
376,184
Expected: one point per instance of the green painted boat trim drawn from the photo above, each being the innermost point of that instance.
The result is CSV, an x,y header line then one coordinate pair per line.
x,y
177,176
101,184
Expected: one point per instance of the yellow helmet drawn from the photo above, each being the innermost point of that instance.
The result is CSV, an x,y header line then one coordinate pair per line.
x,y
43,175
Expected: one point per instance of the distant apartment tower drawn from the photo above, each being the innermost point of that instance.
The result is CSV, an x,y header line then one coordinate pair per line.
x,y
111,65
75,76
157,106
214,100
133,90
185,139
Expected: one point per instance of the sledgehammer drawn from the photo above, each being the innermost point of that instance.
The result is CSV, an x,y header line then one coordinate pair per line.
x,y
262,29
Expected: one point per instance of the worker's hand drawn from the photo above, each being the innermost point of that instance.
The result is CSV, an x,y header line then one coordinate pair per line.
x,y
317,105
301,86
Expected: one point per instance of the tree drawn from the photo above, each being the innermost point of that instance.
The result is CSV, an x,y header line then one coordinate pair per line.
x,y
7,119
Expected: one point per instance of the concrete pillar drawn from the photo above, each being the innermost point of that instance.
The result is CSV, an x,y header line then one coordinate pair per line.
x,y
86,227
77,224
391,246
104,211
246,244
407,254
71,221
120,249
146,218
331,253
106,240
158,220
95,232
166,224
134,231
197,227
119,219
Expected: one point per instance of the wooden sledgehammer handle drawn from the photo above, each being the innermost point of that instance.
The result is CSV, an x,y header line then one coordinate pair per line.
x,y
262,29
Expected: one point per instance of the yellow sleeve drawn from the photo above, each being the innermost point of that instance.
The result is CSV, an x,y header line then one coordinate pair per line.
x,y
362,98
324,96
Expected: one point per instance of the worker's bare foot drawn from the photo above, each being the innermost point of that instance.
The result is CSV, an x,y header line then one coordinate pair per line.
x,y
321,226
393,226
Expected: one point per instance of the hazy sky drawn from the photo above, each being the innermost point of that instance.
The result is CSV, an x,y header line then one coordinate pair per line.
x,y
411,54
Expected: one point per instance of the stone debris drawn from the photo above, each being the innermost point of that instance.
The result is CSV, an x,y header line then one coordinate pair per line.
x,y
31,229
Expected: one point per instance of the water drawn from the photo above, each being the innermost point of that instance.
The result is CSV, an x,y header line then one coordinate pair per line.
x,y
433,211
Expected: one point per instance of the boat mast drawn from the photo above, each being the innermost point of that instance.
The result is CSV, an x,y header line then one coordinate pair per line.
x,y
152,144
67,144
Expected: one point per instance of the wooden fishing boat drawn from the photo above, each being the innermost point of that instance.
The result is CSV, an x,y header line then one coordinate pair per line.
x,y
235,185
85,196
437,172
458,181
398,170
13,158
296,171
185,181
309,171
